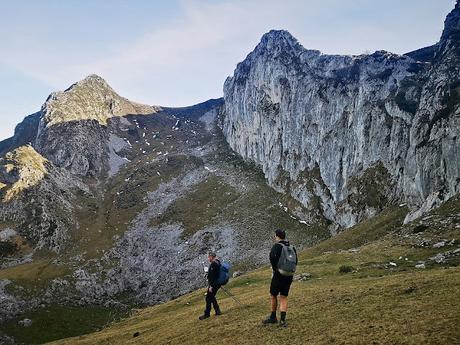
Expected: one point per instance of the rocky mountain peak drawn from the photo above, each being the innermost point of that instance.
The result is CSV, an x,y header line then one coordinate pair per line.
x,y
452,24
277,41
277,36
342,119
90,84
93,81
89,99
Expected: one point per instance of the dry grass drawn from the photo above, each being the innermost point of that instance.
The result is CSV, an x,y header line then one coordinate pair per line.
x,y
342,310
375,304
207,200
34,275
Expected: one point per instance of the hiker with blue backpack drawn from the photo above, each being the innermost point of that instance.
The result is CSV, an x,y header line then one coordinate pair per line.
x,y
217,275
283,258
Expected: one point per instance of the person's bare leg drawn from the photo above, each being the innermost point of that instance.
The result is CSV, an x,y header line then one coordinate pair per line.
x,y
283,310
283,303
274,303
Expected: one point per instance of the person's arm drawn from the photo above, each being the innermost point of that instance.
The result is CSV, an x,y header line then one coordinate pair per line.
x,y
275,254
213,273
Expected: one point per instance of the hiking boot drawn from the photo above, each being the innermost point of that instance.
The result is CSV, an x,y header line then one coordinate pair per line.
x,y
283,323
204,316
218,312
269,320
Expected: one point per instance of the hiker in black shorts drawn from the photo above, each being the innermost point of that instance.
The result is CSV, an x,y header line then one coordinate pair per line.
x,y
213,286
280,283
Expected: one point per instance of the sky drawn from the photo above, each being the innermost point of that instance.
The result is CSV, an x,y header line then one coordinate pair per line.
x,y
179,52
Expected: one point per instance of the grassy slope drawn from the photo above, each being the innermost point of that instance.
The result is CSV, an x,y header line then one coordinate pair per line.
x,y
34,275
60,321
376,304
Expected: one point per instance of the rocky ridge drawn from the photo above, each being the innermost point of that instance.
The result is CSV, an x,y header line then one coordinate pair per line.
x,y
371,130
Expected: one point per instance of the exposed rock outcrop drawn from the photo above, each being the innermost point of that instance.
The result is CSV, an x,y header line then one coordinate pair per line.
x,y
89,99
37,197
24,133
323,126
72,130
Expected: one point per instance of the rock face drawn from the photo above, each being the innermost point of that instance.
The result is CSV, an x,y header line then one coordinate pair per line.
x,y
349,134
72,128
24,133
37,197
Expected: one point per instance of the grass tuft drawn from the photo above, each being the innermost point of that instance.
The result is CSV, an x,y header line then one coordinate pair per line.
x,y
346,269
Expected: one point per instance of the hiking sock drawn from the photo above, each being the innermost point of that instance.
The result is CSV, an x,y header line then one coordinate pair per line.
x,y
273,315
283,316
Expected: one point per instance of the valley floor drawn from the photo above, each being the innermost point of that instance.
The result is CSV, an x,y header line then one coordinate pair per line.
x,y
385,299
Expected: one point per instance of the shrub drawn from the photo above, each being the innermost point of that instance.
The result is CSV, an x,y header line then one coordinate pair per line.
x,y
7,248
346,269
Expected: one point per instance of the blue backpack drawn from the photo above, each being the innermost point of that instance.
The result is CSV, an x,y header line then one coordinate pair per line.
x,y
224,273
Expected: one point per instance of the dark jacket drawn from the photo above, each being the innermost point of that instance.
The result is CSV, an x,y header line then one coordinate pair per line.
x,y
275,255
213,273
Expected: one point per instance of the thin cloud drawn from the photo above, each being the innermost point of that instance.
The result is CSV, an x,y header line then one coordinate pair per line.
x,y
187,59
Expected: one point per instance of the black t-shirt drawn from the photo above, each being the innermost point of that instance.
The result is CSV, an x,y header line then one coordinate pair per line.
x,y
275,255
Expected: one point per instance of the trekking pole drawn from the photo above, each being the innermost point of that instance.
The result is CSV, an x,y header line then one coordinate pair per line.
x,y
224,289
232,296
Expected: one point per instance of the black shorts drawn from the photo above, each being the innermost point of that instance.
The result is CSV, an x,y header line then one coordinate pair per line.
x,y
280,285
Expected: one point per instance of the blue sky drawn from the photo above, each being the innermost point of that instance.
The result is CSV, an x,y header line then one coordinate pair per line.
x,y
179,53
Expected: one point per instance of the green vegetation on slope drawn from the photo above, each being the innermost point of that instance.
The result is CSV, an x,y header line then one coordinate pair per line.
x,y
34,275
206,200
111,215
54,322
376,303
371,188
411,308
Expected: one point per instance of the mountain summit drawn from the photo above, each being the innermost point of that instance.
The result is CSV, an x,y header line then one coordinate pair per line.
x,y
369,130
452,25
278,39
89,99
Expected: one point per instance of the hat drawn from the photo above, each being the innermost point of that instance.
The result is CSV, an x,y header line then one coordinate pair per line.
x,y
212,254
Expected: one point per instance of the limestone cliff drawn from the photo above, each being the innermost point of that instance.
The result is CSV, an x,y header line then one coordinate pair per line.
x,y
350,134
71,131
